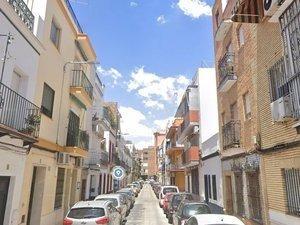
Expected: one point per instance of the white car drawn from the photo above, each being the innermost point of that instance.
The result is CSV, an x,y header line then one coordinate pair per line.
x,y
213,219
92,213
118,201
164,190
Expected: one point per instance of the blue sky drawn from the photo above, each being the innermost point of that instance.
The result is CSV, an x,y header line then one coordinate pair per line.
x,y
148,50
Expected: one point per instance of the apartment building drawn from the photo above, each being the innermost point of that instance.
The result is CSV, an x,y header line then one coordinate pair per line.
x,y
148,162
19,110
174,169
188,136
49,54
97,162
264,30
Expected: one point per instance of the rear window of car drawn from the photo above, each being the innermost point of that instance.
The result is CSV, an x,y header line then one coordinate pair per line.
x,y
86,213
169,189
114,201
193,209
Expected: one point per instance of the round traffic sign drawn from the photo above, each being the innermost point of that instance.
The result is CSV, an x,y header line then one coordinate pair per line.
x,y
118,172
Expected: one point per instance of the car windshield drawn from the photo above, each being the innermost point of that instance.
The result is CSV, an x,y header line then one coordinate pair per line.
x,y
86,213
193,209
113,200
169,189
176,200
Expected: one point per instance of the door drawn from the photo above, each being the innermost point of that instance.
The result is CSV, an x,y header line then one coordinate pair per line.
x,y
4,185
73,188
239,193
229,202
254,196
83,187
36,195
206,188
68,181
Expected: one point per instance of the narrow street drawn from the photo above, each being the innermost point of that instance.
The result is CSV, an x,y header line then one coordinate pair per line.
x,y
146,210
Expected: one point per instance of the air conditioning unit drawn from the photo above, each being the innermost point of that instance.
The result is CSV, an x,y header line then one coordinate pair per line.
x,y
281,109
63,158
79,161
270,7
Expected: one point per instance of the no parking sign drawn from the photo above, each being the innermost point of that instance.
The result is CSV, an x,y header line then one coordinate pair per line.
x,y
118,172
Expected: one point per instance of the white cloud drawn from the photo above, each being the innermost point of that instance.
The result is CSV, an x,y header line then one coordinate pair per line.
x,y
161,19
132,123
194,8
162,124
114,74
157,90
133,4
153,104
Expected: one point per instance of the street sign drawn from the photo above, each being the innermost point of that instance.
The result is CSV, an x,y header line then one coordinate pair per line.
x,y
118,173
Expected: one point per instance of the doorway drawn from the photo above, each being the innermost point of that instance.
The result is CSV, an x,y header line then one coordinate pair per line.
x,y
228,192
4,185
67,191
73,187
83,187
254,196
239,194
36,195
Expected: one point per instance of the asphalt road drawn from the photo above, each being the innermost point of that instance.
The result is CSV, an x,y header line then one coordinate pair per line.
x,y
146,210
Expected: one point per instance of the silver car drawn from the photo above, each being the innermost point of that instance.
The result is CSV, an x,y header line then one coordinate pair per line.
x,y
118,201
92,213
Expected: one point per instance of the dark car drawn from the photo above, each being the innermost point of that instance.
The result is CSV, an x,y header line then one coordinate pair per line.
x,y
174,202
186,209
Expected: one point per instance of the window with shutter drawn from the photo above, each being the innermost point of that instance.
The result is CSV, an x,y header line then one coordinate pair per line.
x,y
47,101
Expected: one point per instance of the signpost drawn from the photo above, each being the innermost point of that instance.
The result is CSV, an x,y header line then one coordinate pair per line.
x,y
118,173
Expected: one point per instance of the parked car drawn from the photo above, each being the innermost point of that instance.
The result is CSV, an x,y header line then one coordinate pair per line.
x,y
130,194
186,209
134,189
164,190
93,212
128,202
166,201
118,201
138,184
213,219
174,203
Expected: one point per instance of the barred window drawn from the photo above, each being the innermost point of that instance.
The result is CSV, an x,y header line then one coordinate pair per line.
x,y
59,188
292,187
290,26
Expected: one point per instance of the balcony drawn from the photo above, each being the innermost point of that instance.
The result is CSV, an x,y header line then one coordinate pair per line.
x,y
19,117
174,148
81,87
98,158
20,7
77,142
231,135
227,76
190,125
191,156
175,167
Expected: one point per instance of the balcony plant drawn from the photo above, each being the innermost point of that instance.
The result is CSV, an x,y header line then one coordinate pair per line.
x,y
32,122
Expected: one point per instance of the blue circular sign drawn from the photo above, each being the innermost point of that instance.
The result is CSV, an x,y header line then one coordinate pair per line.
x,y
118,172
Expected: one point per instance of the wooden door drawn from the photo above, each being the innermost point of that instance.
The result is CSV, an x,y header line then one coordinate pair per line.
x,y
229,202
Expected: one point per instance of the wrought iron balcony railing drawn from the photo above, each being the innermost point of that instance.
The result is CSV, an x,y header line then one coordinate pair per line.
x,y
79,79
231,134
104,157
18,114
226,68
78,138
23,12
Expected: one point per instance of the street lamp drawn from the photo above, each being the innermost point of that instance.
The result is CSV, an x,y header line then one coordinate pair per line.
x,y
8,42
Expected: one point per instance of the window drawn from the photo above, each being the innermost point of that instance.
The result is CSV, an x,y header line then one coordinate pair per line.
x,y
290,26
81,213
241,36
209,186
47,101
292,188
55,34
214,187
59,188
247,105
233,111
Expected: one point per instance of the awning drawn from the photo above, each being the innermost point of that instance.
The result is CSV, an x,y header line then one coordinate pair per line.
x,y
247,11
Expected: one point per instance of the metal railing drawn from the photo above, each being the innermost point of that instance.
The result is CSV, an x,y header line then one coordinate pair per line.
x,y
70,8
231,134
292,186
78,139
79,79
23,12
18,113
104,159
226,67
